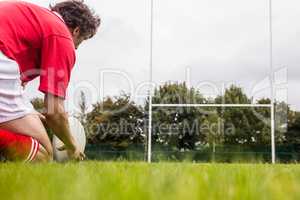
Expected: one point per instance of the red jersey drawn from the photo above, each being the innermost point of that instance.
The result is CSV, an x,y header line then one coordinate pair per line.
x,y
40,42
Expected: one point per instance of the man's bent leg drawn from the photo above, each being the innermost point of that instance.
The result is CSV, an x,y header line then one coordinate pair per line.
x,y
15,108
31,126
17,147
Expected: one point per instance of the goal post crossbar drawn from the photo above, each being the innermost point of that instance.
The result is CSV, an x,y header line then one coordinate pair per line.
x,y
214,105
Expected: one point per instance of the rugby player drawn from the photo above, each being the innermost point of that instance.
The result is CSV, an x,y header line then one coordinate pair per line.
x,y
37,42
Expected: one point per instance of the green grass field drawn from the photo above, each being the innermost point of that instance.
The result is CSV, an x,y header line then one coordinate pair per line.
x,y
109,180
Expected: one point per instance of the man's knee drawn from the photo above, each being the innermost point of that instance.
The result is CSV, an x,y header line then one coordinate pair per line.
x,y
43,155
17,147
30,125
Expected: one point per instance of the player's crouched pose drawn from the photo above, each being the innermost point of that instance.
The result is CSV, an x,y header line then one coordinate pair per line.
x,y
38,42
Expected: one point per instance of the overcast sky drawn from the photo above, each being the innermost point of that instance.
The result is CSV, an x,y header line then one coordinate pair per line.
x,y
213,42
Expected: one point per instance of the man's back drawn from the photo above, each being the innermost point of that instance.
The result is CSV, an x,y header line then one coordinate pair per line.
x,y
25,29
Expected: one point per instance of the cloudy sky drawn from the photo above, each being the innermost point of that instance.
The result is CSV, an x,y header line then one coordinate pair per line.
x,y
209,43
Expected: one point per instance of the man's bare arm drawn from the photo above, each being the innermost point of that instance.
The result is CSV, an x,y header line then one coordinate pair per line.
x,y
57,120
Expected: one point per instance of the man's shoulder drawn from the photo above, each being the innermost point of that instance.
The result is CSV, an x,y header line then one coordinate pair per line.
x,y
53,26
49,22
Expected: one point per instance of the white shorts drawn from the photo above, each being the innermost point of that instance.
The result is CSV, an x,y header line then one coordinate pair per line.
x,y
13,103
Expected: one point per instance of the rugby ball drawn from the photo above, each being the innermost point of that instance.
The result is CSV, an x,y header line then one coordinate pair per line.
x,y
77,132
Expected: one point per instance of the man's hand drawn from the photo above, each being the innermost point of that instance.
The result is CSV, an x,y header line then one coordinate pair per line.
x,y
74,153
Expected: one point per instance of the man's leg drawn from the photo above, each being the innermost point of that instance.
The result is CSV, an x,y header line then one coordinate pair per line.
x,y
17,147
31,126
15,108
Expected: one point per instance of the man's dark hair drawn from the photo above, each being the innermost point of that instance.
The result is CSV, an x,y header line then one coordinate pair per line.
x,y
77,14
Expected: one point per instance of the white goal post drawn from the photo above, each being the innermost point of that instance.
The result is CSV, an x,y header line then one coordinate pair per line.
x,y
271,105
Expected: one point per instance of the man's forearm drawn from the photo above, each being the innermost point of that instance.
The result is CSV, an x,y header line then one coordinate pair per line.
x,y
59,123
57,120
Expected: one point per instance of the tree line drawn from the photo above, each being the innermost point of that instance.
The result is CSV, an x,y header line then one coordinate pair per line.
x,y
119,123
